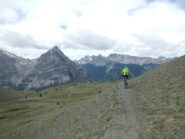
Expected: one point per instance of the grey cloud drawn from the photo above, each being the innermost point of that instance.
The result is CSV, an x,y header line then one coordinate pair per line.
x,y
88,40
18,40
152,40
123,47
155,46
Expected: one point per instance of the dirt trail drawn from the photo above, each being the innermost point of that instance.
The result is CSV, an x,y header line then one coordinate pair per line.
x,y
126,119
130,116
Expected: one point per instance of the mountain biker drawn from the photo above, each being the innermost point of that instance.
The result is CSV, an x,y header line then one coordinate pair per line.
x,y
125,74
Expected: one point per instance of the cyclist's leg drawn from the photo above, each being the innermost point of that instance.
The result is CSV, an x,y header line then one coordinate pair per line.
x,y
126,79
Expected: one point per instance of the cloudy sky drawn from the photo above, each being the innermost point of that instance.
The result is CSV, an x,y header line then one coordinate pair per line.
x,y
151,28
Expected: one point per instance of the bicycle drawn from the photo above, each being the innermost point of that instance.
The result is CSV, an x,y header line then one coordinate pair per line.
x,y
125,83
125,78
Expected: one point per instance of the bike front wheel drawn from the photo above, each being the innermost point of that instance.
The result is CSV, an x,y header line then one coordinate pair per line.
x,y
126,84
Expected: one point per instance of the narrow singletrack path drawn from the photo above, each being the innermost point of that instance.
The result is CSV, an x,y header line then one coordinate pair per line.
x,y
126,118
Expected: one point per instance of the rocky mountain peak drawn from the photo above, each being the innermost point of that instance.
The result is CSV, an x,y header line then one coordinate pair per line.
x,y
54,54
113,55
55,50
51,68
8,54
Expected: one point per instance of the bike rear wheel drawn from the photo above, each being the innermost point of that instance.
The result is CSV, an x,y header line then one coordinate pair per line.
x,y
126,84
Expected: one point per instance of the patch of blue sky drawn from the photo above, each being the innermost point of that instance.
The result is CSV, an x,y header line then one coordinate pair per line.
x,y
20,16
64,27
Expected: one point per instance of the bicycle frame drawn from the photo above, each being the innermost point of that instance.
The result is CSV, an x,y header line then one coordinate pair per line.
x,y
125,83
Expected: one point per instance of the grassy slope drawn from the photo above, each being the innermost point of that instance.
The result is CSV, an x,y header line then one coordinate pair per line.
x,y
160,95
22,116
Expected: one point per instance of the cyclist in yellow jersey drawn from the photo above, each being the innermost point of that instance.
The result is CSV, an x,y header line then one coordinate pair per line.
x,y
125,73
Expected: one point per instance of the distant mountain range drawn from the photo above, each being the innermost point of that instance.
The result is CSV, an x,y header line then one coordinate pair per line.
x,y
54,68
108,68
49,69
123,59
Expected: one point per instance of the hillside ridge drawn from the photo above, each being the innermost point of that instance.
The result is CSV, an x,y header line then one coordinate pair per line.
x,y
160,98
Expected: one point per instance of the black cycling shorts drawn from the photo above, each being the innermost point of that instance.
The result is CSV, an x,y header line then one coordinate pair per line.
x,y
125,76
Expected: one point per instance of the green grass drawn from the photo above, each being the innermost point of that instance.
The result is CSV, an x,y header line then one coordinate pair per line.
x,y
19,110
160,99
